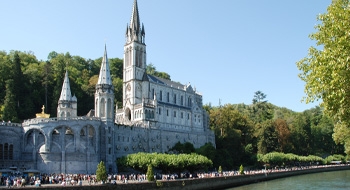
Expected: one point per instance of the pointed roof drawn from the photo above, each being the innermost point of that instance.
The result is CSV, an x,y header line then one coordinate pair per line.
x,y
105,74
135,18
66,92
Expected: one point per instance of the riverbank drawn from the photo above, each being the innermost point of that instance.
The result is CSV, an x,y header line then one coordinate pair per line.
x,y
222,182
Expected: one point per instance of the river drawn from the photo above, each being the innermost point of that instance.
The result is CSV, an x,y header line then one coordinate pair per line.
x,y
318,181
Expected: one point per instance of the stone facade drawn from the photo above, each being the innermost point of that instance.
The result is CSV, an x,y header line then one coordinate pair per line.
x,y
156,114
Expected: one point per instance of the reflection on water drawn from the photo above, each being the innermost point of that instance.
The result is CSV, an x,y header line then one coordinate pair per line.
x,y
319,181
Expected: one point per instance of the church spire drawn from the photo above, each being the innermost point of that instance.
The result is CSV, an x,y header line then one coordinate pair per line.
x,y
135,32
135,19
67,105
105,74
66,93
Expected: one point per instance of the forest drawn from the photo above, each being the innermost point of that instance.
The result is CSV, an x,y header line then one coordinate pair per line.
x,y
242,131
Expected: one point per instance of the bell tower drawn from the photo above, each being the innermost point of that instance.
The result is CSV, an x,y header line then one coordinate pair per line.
x,y
134,62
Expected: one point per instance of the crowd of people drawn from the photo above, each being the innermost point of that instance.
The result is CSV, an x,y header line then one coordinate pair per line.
x,y
78,179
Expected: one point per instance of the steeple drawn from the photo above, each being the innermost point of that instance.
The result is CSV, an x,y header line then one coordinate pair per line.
x,y
104,95
134,32
135,19
66,93
67,105
105,74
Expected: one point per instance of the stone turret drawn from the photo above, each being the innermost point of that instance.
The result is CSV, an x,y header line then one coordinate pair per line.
x,y
104,94
67,105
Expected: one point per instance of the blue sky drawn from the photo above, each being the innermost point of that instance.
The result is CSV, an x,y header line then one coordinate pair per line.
x,y
227,49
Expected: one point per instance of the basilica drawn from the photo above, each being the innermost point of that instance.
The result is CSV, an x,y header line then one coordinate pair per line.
x,y
156,114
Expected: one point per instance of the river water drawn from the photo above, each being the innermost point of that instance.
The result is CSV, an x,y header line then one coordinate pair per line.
x,y
317,181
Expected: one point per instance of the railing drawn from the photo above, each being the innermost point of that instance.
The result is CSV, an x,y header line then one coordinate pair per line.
x,y
10,124
56,119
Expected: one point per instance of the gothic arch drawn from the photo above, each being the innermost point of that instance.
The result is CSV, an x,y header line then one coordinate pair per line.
x,y
128,114
29,140
88,139
102,107
109,108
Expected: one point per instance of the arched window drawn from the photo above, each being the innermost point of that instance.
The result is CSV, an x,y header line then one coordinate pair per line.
x,y
140,57
11,152
6,151
130,57
137,56
102,107
82,132
1,152
109,108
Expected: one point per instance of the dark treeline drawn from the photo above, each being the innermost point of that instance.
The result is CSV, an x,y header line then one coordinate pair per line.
x,y
242,131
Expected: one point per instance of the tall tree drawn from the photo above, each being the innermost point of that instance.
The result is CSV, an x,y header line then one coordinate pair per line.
x,y
9,108
101,172
261,110
326,68
18,86
267,137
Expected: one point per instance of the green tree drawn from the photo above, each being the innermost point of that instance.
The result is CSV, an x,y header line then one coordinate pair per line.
x,y
259,97
267,136
150,174
185,148
241,169
220,170
101,172
261,110
326,68
9,108
207,150
151,70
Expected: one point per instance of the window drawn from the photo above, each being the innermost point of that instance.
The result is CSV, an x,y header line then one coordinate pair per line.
x,y
182,115
167,96
159,111
174,113
174,98
11,152
1,152
6,151
182,100
167,112
152,93
161,95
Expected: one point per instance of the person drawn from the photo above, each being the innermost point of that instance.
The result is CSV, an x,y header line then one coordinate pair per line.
x,y
8,183
23,182
37,182
63,183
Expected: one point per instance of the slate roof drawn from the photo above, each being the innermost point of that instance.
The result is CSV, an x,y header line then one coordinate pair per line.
x,y
166,82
